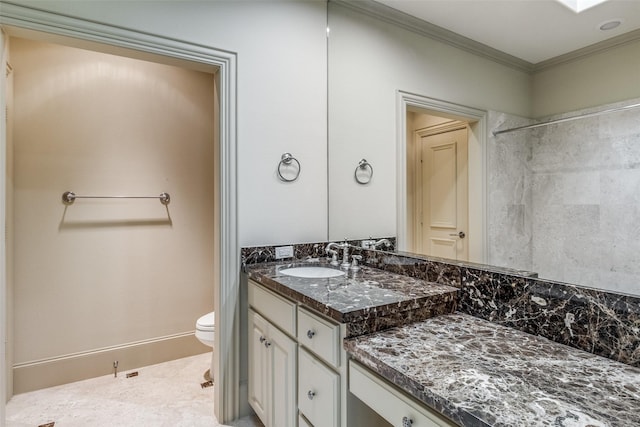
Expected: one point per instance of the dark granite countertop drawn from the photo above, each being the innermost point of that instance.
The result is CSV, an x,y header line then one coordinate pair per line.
x,y
367,300
479,373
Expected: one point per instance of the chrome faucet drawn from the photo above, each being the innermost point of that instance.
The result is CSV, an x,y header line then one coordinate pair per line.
x,y
334,253
380,242
345,255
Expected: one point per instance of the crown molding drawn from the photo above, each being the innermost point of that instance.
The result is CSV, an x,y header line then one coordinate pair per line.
x,y
387,14
432,31
622,39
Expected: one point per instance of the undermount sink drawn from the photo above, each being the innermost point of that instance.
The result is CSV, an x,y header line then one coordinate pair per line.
x,y
312,272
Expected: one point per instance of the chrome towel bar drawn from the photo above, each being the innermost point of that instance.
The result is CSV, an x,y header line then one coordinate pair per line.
x,y
68,197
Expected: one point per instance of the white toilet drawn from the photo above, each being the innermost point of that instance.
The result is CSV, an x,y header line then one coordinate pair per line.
x,y
205,331
206,328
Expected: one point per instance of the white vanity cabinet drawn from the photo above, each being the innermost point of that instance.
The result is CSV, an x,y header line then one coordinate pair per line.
x,y
297,366
272,359
297,381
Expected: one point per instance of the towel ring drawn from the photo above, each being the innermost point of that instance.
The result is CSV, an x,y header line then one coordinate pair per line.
x,y
364,166
286,159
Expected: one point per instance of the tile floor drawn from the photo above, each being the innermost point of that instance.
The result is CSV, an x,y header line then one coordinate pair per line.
x,y
168,394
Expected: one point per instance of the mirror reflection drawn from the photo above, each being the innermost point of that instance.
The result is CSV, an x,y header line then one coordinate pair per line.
x,y
561,200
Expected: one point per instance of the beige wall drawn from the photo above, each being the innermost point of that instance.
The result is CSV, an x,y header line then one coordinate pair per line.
x,y
606,77
281,92
105,273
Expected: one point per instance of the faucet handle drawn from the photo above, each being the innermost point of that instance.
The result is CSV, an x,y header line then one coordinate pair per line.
x,y
354,263
334,258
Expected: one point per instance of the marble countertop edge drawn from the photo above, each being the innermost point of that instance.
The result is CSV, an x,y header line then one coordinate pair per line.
x,y
435,295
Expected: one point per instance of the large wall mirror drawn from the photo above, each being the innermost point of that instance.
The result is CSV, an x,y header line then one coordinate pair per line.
x,y
561,200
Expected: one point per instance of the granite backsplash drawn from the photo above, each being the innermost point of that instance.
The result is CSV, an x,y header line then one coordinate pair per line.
x,y
600,322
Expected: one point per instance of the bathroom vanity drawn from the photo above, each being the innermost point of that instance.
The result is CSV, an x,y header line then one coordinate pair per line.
x,y
373,346
310,318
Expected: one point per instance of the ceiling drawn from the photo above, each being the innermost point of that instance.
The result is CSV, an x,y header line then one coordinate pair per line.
x,y
532,30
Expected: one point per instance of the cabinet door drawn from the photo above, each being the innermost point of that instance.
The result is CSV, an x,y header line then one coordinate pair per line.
x,y
258,366
282,357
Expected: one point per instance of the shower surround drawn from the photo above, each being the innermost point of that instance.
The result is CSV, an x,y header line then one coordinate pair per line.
x,y
564,199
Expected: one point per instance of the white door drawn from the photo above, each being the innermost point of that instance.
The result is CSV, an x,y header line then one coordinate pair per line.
x,y
259,371
443,190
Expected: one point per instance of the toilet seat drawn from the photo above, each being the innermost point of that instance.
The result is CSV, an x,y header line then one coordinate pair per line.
x,y
206,328
207,322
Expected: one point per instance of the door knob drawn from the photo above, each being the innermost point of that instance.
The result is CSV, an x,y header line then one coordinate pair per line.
x,y
461,235
310,333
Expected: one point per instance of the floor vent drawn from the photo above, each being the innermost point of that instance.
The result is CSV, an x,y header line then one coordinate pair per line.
x,y
132,374
51,424
206,384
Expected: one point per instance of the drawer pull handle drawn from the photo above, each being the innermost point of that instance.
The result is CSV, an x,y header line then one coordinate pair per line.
x,y
262,339
267,344
310,333
407,422
311,394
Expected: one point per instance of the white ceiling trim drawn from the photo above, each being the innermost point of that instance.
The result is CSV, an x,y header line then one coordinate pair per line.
x,y
435,32
630,37
393,16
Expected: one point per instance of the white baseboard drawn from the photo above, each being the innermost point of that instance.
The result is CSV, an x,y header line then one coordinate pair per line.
x,y
80,366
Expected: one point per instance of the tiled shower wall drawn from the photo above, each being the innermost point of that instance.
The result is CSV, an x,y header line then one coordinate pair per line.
x,y
564,199
509,208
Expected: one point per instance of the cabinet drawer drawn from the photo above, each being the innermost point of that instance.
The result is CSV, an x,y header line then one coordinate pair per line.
x,y
318,391
320,336
390,403
280,311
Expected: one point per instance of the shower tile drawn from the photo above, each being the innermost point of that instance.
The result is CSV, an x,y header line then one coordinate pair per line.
x,y
621,186
621,124
625,151
581,188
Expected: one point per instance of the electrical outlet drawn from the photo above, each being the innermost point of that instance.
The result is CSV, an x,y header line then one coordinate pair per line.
x,y
284,252
366,244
